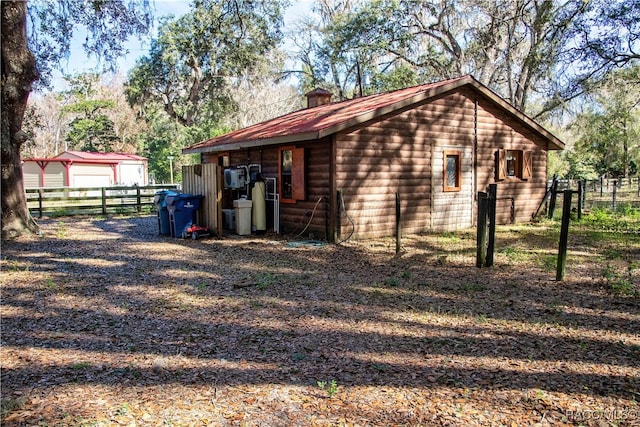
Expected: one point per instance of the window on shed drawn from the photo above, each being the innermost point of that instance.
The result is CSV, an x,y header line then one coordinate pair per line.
x,y
452,170
513,159
514,164
291,172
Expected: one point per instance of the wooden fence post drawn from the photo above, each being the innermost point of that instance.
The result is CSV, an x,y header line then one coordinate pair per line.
x,y
564,235
552,202
512,210
581,191
398,224
40,195
138,200
601,186
338,215
481,239
104,201
614,192
492,198
327,212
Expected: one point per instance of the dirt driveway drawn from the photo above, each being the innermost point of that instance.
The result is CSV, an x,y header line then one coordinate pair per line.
x,y
106,323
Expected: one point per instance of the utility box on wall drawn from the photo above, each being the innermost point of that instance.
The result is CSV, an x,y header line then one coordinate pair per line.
x,y
234,178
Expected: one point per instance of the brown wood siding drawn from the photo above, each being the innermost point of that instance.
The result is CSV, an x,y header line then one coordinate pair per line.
x,y
395,155
496,131
209,158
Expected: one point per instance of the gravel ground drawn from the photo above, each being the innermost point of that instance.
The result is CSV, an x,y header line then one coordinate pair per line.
x,y
106,323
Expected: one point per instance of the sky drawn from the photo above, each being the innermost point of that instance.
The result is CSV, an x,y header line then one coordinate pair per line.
x,y
79,62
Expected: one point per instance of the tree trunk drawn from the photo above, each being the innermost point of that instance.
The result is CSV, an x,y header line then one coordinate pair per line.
x,y
18,74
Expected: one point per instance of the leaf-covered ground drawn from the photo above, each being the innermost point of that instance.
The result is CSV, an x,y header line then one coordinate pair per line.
x,y
106,323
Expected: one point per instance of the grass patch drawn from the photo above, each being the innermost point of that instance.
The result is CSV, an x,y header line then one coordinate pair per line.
x,y
548,262
472,287
391,281
514,254
61,230
81,365
264,280
50,285
331,387
449,237
620,282
8,405
624,219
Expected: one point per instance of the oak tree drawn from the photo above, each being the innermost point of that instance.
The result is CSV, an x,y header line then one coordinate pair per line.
x,y
27,56
194,57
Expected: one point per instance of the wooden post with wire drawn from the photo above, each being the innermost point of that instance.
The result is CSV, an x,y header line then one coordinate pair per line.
x,y
104,201
564,235
554,197
492,199
581,190
481,239
398,225
339,215
40,194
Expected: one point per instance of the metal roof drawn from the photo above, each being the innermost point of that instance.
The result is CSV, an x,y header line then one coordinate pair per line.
x,y
318,122
84,155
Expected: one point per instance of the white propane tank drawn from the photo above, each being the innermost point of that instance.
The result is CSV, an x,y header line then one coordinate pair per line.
x,y
259,209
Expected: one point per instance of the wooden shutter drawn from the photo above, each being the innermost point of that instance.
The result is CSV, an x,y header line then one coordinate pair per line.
x,y
297,174
527,165
501,165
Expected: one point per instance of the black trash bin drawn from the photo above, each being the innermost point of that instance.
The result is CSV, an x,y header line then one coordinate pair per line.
x,y
164,226
182,209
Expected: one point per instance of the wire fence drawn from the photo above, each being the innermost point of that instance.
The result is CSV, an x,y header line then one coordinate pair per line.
x,y
604,193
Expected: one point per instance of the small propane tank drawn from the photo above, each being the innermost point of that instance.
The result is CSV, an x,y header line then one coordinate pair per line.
x,y
259,213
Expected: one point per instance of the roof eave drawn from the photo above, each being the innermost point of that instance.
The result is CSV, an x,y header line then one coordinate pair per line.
x,y
239,145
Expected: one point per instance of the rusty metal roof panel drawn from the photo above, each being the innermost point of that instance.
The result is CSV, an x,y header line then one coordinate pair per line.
x,y
317,122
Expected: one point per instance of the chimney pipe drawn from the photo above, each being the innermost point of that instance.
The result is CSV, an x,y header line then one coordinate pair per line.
x,y
318,97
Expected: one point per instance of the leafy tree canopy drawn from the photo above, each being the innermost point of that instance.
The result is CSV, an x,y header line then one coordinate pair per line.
x,y
194,56
541,53
608,132
107,24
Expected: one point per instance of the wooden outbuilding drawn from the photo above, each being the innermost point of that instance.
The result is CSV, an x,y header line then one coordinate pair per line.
x,y
335,168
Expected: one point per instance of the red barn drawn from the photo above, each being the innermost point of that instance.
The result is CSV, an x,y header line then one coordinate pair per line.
x,y
85,169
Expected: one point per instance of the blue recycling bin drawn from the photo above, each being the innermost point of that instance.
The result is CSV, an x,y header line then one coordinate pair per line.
x,y
182,208
164,226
